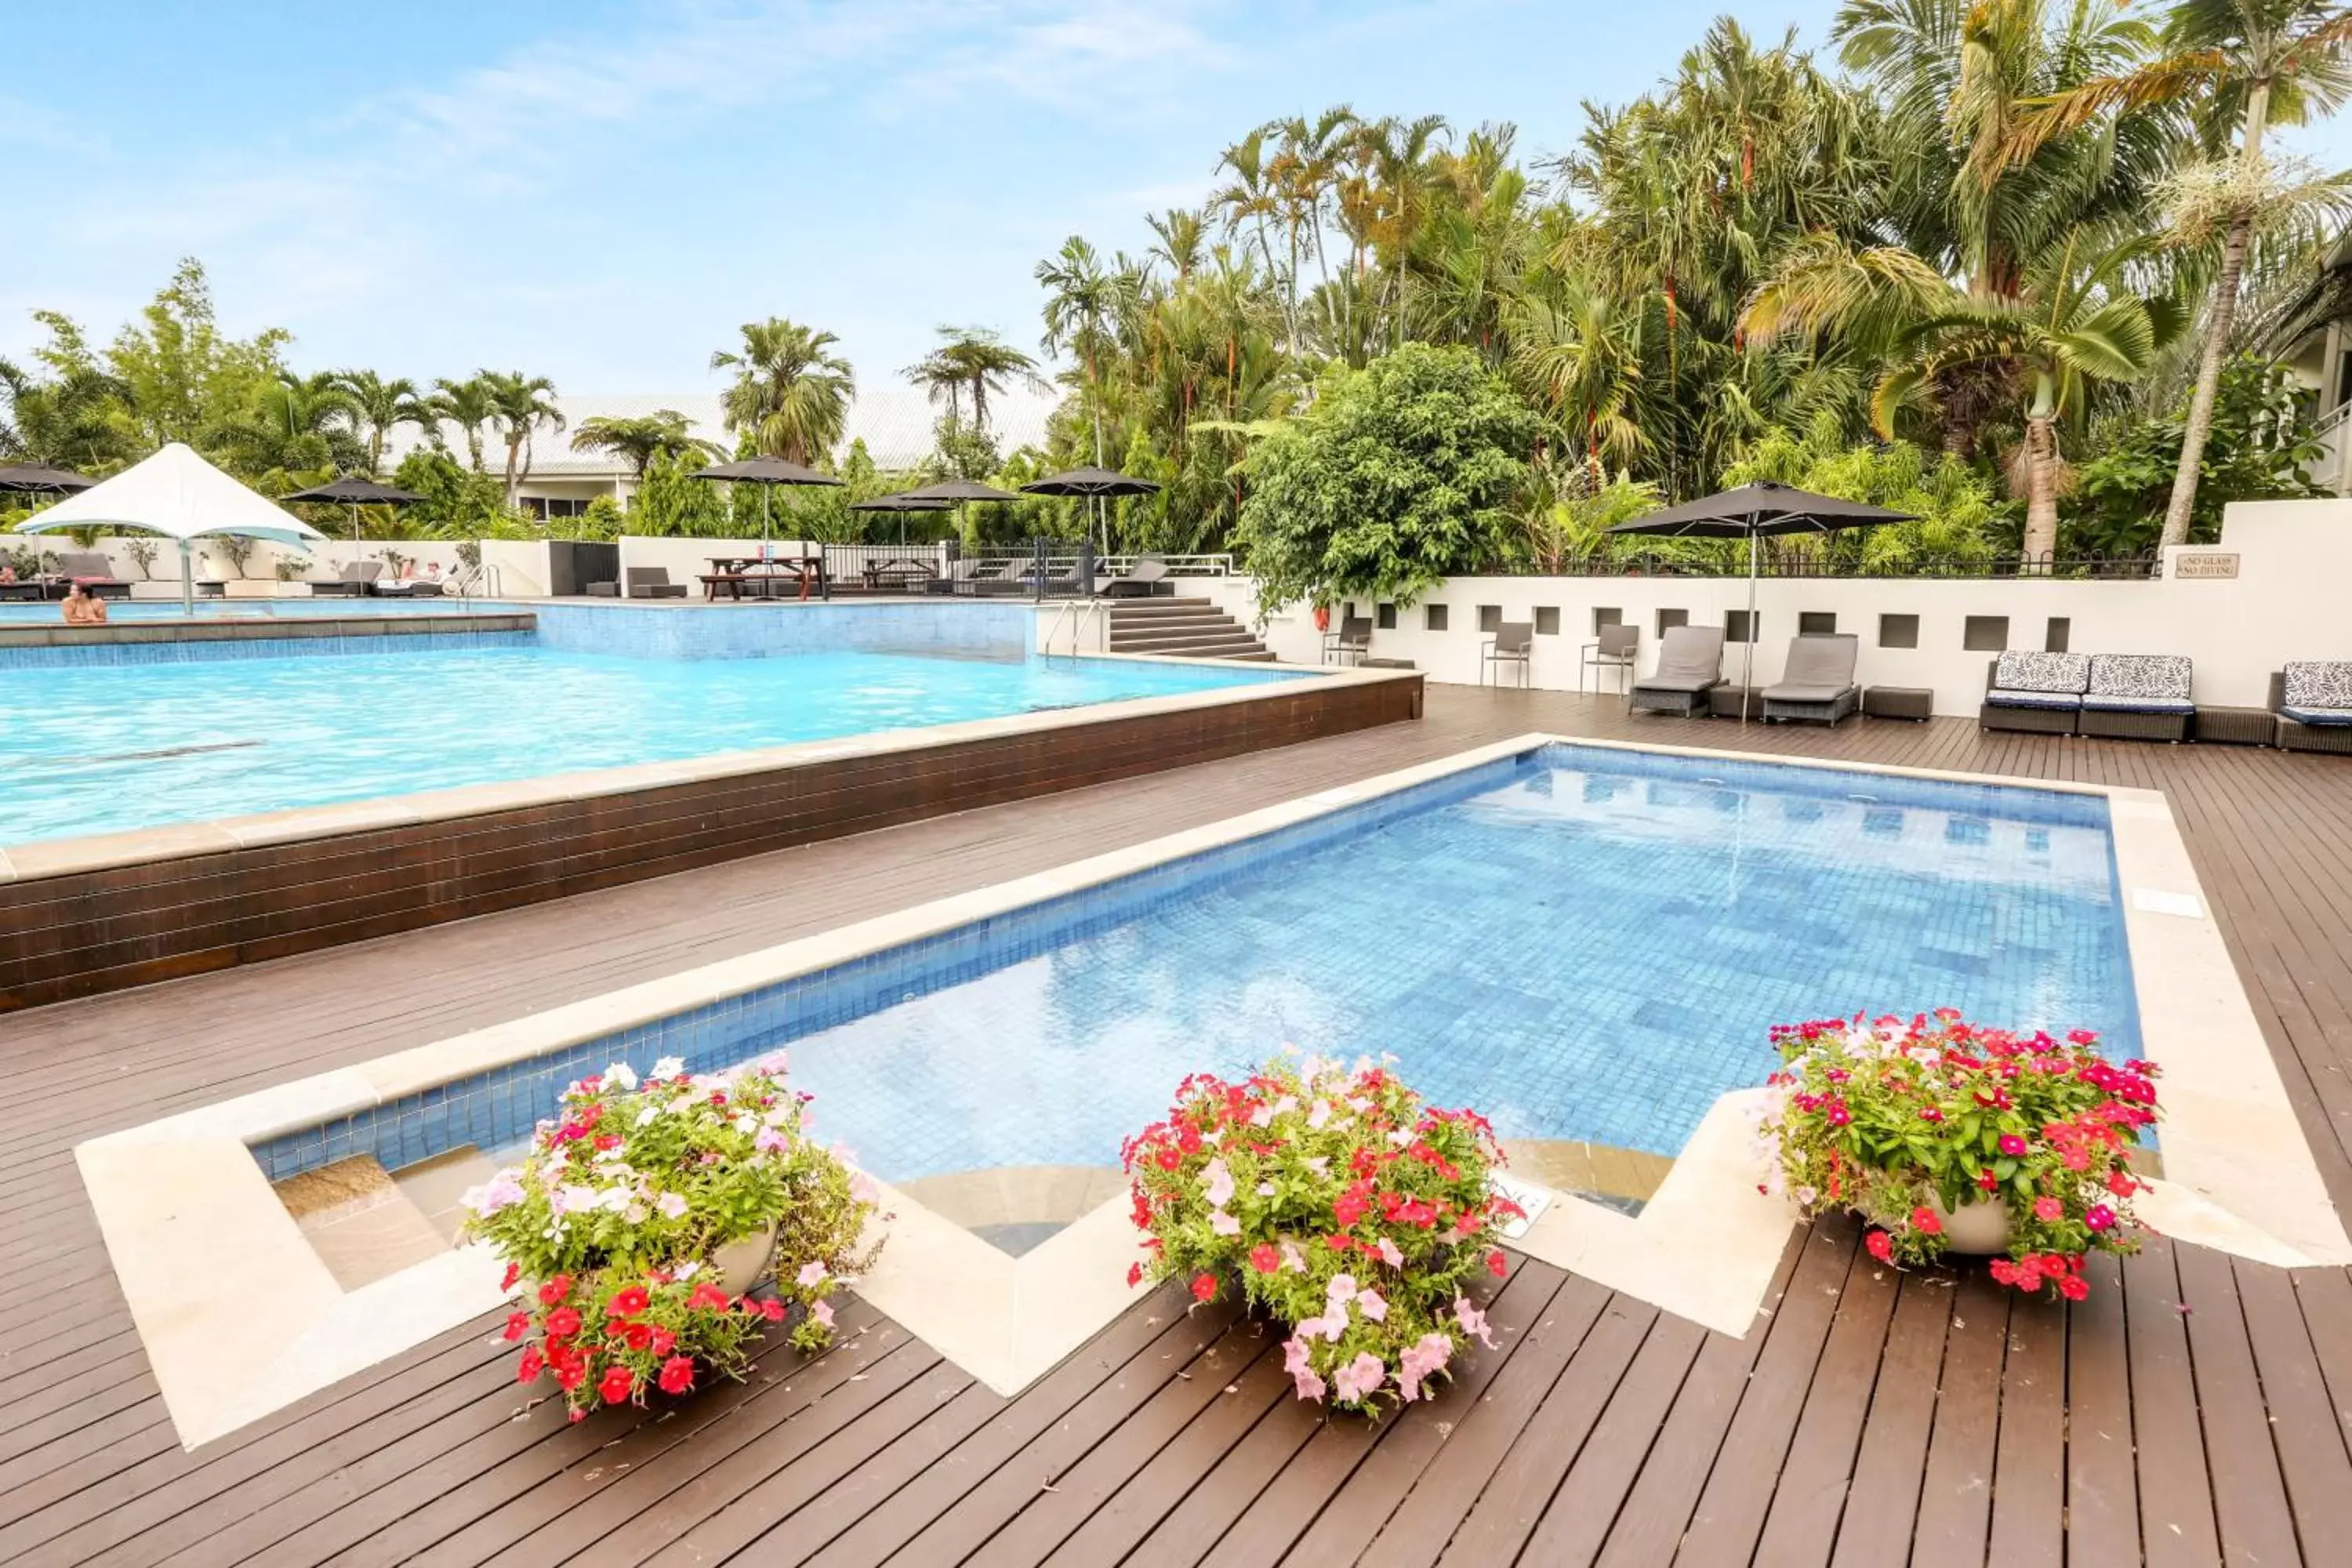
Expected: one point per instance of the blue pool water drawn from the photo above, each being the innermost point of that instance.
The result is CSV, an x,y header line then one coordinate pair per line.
x,y
1583,944
15,611
97,748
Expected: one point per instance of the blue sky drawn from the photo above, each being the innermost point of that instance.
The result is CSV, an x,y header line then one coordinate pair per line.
x,y
601,190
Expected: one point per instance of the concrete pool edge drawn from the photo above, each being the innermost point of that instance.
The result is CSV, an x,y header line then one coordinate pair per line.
x,y
95,913
1705,1247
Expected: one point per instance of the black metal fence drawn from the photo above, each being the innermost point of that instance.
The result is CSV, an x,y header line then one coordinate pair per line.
x,y
1783,561
1042,569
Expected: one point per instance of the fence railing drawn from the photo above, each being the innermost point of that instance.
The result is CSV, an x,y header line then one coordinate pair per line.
x,y
1041,569
1785,563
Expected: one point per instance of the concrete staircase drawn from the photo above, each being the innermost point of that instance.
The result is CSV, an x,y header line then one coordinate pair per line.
x,y
1184,628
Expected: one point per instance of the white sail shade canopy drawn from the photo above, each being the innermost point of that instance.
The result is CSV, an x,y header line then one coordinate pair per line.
x,y
178,494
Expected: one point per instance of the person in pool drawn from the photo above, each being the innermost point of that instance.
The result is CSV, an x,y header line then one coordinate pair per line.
x,y
84,608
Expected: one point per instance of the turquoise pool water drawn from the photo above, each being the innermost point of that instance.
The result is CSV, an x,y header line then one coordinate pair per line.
x,y
1585,944
100,749
15,612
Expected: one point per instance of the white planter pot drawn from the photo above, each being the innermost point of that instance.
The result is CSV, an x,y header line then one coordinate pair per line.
x,y
1980,1229
739,1264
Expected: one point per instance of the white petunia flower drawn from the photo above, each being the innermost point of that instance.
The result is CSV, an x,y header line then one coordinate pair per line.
x,y
622,1074
669,1067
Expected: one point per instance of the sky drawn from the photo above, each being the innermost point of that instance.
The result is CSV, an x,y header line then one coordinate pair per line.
x,y
600,191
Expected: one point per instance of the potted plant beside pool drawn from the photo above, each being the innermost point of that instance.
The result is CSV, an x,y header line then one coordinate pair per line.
x,y
1948,1136
1338,1203
648,1212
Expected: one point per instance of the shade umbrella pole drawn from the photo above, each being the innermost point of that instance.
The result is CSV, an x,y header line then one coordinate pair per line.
x,y
1748,666
187,579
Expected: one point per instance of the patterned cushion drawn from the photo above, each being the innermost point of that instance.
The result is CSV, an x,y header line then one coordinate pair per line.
x,y
2318,715
2068,672
2160,675
2003,699
2099,702
2319,683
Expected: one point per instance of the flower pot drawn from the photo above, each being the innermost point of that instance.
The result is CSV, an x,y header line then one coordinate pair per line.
x,y
1980,1229
739,1264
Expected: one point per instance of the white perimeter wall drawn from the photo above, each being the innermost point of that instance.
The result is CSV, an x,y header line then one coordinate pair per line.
x,y
2292,599
521,564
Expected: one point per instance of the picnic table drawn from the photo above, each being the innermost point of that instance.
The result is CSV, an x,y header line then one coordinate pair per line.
x,y
761,574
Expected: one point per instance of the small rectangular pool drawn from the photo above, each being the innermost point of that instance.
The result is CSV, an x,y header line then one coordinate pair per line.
x,y
1588,944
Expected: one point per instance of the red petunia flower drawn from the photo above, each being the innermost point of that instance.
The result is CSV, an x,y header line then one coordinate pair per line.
x,y
1924,1221
709,1296
630,1303
531,1365
617,1385
518,1325
513,1273
1496,1264
571,1375
678,1375
555,1289
1134,1275
1264,1258
1204,1287
1882,1246
772,1309
662,1341
638,1336
564,1322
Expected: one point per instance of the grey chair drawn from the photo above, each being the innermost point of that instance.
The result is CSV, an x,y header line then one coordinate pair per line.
x,y
1615,648
1818,682
653,583
1514,642
1353,637
1690,665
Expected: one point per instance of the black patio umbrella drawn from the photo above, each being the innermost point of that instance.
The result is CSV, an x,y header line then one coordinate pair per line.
x,y
902,503
764,471
355,493
1091,483
959,491
33,478
1750,512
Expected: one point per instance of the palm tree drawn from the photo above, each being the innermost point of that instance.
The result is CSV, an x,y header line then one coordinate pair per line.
x,y
971,360
1181,238
1250,201
663,433
1578,356
2240,65
468,406
297,424
2071,323
792,393
380,407
520,404
1082,302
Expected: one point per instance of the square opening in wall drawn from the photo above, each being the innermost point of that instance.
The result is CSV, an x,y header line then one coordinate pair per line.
x,y
1490,618
2057,634
1546,620
1817,623
1985,633
1433,618
1898,631
1669,619
1384,617
1604,616
1741,626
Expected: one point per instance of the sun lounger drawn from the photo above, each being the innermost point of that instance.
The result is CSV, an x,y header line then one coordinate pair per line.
x,y
91,569
2037,693
1690,665
355,581
2313,699
1818,682
2139,696
1140,580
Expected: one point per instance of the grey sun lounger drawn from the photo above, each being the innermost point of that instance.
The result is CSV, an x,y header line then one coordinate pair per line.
x,y
1690,665
1140,582
356,580
89,568
1818,682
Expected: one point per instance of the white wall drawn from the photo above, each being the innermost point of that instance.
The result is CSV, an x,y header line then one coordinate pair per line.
x,y
522,564
2292,599
687,559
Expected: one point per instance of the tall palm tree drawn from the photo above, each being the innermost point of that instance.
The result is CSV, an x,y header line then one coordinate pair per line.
x,y
1180,239
1250,201
520,404
790,393
380,407
663,433
1082,302
971,361
468,406
2240,65
1578,356
297,424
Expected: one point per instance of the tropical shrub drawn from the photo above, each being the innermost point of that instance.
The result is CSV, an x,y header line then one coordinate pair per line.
x,y
1342,1205
612,1226
1906,1123
1960,520
2263,442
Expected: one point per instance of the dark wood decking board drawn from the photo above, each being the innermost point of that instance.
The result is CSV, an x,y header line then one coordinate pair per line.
x,y
2196,1406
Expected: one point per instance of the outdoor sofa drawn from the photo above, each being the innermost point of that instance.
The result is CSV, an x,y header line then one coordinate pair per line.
x,y
1690,665
1817,682
2313,699
2137,697
2039,693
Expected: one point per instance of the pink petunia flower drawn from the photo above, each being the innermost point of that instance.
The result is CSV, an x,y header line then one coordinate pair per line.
x,y
1357,1380
1341,1289
1425,1356
1370,1303
1302,1375
1390,1255
1224,1224
1472,1321
823,1312
810,1275
1220,1183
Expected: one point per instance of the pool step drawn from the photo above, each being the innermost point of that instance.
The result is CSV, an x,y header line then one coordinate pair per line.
x,y
1181,628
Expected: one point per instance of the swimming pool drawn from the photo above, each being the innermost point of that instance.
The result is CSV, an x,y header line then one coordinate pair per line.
x,y
14,612
1588,944
106,748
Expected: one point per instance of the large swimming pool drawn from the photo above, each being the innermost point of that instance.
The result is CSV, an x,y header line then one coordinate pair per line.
x,y
1588,944
103,748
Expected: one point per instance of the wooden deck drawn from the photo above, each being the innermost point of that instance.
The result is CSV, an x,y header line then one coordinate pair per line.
x,y
2193,1411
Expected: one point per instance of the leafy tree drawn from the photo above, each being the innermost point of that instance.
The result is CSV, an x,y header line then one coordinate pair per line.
x,y
520,404
971,363
1397,476
2262,445
182,379
792,393
641,440
298,428
1565,515
456,501
1960,518
469,405
671,501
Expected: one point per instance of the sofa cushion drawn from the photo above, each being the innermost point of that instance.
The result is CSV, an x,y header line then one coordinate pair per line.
x,y
2066,672
1682,683
2319,683
1801,692
2161,675
2107,702
2318,715
2001,697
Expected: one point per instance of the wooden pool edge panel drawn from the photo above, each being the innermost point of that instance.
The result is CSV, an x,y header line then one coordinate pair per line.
x,y
206,901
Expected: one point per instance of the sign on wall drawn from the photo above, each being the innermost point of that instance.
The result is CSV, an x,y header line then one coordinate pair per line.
x,y
2208,565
